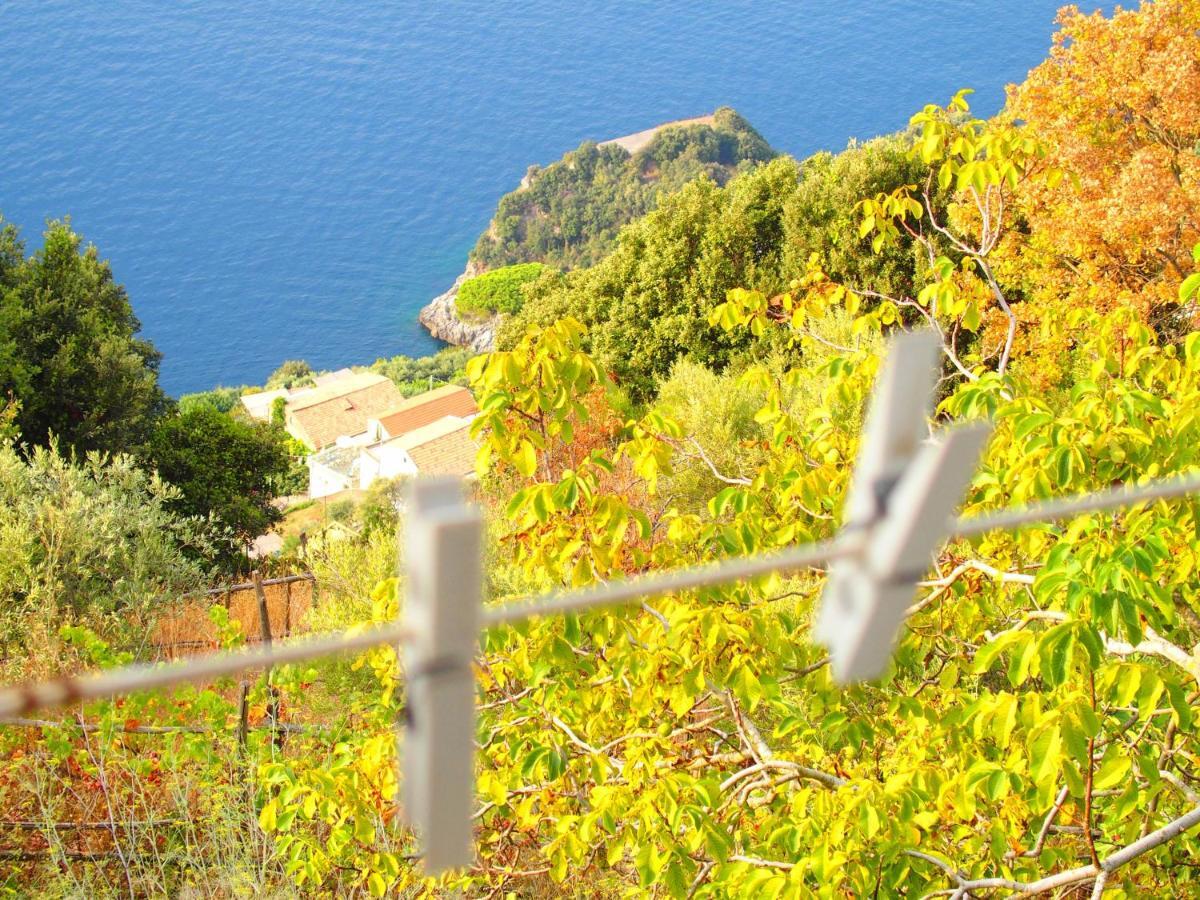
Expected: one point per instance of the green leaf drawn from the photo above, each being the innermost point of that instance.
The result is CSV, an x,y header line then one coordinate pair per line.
x,y
945,175
1112,770
1045,755
674,879
1190,286
364,829
525,459
266,818
1021,659
648,863
1178,700
1056,650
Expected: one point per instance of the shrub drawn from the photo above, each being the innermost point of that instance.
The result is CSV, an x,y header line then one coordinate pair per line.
x,y
222,399
499,291
83,540
294,373
413,375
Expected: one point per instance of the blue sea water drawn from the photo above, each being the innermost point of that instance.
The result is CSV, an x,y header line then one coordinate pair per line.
x,y
276,180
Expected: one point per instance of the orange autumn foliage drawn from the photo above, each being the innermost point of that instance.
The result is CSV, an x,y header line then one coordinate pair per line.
x,y
1118,105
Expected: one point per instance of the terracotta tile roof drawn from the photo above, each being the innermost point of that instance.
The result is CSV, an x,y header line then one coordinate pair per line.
x,y
426,408
259,404
450,453
322,414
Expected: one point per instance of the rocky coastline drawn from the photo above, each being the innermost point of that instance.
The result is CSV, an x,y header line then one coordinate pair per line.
x,y
441,319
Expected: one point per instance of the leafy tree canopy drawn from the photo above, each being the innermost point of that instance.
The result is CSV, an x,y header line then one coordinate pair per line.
x,y
413,375
227,473
1118,106
568,213
87,539
69,351
293,373
497,291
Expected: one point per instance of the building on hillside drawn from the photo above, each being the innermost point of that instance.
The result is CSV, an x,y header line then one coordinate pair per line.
x,y
451,453
420,437
443,447
319,416
259,405
421,410
333,469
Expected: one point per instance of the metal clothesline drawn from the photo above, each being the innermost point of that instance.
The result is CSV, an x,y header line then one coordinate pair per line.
x,y
898,513
23,699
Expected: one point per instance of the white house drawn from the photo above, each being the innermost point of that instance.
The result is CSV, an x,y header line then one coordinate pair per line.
x,y
428,434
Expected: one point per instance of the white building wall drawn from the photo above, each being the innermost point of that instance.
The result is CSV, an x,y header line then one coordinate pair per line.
x,y
362,439
384,462
323,481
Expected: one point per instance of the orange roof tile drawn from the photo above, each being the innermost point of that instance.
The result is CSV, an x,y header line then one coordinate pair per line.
x,y
452,453
423,409
342,408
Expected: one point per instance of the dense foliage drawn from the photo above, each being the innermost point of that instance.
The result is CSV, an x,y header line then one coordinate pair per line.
x,y
1036,730
568,213
94,541
292,374
70,356
413,375
497,291
648,303
222,399
226,471
1116,104
76,378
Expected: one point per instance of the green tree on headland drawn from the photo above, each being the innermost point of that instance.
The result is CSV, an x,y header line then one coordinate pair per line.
x,y
497,291
568,213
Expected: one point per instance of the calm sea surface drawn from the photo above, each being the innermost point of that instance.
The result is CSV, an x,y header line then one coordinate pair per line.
x,y
277,180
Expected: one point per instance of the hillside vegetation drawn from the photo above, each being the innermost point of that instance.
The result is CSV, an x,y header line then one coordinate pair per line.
x,y
567,214
497,291
697,394
647,303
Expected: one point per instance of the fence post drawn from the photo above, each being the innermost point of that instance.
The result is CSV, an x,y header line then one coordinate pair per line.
x,y
443,556
287,609
264,626
243,713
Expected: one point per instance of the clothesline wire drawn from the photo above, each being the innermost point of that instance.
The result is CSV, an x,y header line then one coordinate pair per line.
x,y
23,699
1082,504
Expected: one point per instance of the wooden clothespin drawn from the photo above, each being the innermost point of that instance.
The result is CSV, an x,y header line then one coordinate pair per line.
x,y
444,556
905,487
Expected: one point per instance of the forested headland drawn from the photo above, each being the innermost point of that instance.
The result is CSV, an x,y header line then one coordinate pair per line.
x,y
567,215
679,389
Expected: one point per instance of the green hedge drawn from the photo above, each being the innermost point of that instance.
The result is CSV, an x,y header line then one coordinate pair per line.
x,y
498,291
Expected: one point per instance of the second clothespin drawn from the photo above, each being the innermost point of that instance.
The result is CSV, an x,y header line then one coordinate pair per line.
x,y
905,487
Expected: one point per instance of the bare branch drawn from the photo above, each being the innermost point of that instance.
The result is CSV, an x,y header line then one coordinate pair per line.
x,y
942,585
1070,877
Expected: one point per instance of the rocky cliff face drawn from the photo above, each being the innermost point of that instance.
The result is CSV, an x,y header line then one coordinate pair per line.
x,y
441,319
